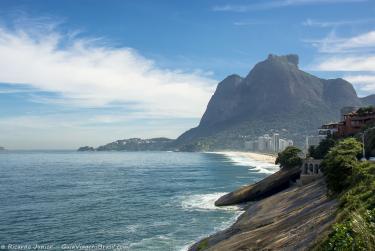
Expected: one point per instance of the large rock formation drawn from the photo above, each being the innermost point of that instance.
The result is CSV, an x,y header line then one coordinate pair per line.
x,y
290,220
275,96
264,188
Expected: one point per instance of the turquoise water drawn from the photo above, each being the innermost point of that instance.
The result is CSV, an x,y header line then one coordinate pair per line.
x,y
116,200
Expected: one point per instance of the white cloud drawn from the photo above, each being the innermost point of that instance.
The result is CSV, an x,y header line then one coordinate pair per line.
x,y
86,73
365,83
70,131
353,56
333,44
346,63
346,54
276,4
329,24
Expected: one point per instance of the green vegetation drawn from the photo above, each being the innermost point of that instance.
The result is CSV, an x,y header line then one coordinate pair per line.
x,y
289,158
353,183
340,163
322,149
369,131
365,110
203,244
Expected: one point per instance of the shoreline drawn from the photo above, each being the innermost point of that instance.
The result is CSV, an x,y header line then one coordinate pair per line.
x,y
261,157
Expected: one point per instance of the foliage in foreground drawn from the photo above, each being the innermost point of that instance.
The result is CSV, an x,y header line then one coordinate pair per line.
x,y
340,163
353,183
320,151
289,158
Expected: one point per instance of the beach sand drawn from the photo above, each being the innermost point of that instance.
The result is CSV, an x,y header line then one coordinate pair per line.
x,y
263,157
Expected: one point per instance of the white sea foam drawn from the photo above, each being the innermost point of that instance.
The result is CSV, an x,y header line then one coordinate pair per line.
x,y
254,165
225,224
203,202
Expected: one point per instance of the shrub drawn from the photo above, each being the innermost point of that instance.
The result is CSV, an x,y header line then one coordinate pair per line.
x,y
289,158
355,226
340,163
320,151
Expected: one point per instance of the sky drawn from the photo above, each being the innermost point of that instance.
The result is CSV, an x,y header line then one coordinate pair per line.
x,y
89,72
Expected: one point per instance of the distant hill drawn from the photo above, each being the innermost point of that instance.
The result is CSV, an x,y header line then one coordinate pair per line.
x,y
369,100
276,96
133,144
2,148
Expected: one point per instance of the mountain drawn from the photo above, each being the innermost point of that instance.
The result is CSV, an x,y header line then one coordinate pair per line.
x,y
276,96
369,100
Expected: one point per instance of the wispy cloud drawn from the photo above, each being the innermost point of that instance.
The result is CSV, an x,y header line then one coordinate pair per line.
x,y
353,56
88,73
333,24
347,63
249,23
333,44
264,5
365,83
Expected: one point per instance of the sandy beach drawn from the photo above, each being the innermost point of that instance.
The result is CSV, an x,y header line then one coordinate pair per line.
x,y
263,157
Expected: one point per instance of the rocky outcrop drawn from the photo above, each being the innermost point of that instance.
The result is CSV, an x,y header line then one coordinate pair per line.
x,y
266,187
86,149
293,219
276,95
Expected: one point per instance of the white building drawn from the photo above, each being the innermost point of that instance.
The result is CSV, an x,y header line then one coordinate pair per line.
x,y
264,143
275,142
284,143
251,145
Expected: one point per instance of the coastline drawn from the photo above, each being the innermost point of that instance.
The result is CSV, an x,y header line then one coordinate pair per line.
x,y
261,157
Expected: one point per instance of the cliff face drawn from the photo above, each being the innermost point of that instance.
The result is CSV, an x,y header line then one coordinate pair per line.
x,y
275,95
290,220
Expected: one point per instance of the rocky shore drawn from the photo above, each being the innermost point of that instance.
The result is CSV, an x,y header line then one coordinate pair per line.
x,y
268,186
293,219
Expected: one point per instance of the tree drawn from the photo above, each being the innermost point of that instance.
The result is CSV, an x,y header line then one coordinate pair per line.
x,y
340,163
289,158
322,149
365,110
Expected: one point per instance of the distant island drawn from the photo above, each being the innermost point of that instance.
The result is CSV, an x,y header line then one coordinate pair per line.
x,y
2,148
134,144
86,149
275,97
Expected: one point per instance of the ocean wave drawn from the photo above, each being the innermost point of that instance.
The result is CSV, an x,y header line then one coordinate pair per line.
x,y
237,211
203,202
254,165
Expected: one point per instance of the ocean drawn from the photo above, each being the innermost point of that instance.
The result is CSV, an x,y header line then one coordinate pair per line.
x,y
67,200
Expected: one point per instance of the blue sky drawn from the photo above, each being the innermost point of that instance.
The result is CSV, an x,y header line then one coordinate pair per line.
x,y
87,72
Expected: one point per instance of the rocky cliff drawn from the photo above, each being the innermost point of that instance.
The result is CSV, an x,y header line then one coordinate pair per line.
x,y
294,219
275,96
268,186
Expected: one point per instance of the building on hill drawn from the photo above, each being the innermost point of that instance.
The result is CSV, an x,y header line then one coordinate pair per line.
x,y
351,124
328,129
347,109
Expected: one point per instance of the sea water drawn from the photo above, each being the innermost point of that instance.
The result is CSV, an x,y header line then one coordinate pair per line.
x,y
67,200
